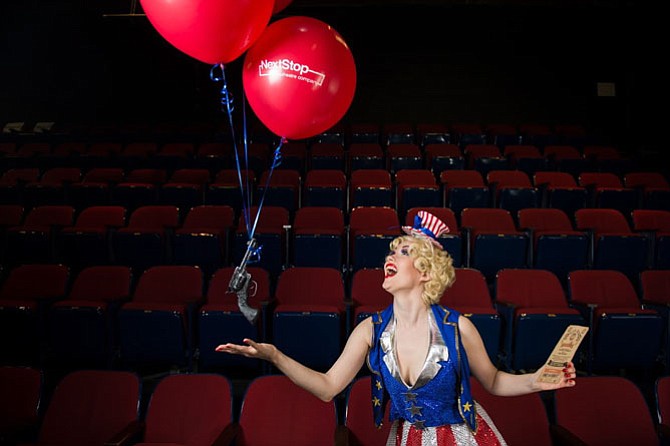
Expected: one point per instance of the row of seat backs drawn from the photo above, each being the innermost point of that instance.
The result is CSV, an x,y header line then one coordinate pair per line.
x,y
531,298
342,134
138,151
145,149
382,177
437,159
92,407
300,285
274,218
89,407
74,178
167,284
374,221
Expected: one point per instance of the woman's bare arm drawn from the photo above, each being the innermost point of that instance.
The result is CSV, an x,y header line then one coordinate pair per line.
x,y
325,386
496,381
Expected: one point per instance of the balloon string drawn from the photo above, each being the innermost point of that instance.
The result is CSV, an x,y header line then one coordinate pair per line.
x,y
276,161
246,204
227,106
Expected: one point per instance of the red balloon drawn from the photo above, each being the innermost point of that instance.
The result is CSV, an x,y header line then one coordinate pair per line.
x,y
280,5
299,77
212,31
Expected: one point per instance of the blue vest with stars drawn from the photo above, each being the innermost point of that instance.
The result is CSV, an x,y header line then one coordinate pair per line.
x,y
445,399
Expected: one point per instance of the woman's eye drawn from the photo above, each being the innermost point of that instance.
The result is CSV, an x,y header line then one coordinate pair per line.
x,y
390,253
404,251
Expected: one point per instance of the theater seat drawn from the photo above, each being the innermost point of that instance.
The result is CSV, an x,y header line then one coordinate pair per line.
x,y
190,409
522,420
91,407
21,391
623,334
536,313
274,402
588,414
469,294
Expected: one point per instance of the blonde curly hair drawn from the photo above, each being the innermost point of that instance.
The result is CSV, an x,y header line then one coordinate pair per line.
x,y
436,262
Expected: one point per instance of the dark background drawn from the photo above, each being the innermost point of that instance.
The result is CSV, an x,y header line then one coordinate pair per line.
x,y
440,61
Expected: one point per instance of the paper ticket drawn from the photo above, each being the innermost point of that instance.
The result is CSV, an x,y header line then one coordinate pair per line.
x,y
563,353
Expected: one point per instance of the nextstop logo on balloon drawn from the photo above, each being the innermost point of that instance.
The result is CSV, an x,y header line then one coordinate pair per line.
x,y
290,69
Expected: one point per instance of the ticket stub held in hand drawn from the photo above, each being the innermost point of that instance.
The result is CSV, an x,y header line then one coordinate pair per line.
x,y
563,353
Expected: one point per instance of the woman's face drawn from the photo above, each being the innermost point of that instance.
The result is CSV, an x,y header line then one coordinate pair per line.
x,y
399,270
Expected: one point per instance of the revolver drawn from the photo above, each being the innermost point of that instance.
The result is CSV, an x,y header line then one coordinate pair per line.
x,y
240,278
239,283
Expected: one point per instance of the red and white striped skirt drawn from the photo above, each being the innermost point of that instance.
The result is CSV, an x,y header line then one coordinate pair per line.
x,y
404,434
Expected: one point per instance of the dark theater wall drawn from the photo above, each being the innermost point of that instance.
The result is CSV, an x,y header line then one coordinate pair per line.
x,y
450,62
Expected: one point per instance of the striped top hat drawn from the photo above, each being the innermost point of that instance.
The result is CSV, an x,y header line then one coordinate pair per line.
x,y
427,226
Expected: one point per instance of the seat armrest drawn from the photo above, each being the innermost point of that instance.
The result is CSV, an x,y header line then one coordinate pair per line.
x,y
587,310
466,232
506,309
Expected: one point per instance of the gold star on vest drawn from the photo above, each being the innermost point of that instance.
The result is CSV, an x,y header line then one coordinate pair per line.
x,y
420,424
415,410
467,406
376,401
378,384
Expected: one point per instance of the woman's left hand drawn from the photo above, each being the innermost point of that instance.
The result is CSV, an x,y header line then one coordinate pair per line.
x,y
567,379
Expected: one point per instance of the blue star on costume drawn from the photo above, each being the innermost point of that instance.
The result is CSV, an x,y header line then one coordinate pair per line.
x,y
447,321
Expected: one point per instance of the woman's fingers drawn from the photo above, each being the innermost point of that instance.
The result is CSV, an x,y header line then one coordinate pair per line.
x,y
570,373
224,348
232,348
251,349
251,343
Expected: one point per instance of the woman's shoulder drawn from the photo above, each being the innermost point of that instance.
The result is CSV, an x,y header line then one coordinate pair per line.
x,y
365,330
446,313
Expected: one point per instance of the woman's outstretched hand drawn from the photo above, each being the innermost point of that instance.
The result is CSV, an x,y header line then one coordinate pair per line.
x,y
567,379
251,349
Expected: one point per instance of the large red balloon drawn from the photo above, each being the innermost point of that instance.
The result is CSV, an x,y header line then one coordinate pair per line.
x,y
212,31
299,77
280,5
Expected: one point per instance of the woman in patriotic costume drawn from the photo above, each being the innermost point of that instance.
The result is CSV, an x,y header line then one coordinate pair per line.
x,y
420,353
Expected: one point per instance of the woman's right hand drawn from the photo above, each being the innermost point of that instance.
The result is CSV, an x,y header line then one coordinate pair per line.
x,y
250,350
